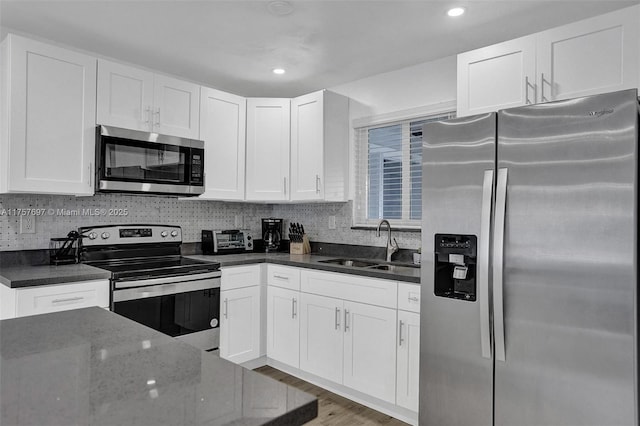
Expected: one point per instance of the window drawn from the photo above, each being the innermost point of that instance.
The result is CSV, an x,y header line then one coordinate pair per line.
x,y
389,172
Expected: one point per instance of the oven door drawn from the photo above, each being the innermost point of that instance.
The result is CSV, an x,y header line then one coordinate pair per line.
x,y
188,310
133,161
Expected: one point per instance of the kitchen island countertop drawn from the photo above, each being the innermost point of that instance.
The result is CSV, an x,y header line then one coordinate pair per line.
x,y
91,366
313,261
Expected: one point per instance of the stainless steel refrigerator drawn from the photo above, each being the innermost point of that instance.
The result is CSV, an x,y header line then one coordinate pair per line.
x,y
529,275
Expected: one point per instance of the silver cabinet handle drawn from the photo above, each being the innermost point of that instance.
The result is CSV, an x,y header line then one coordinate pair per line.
x,y
285,185
280,277
413,299
337,318
317,184
70,299
483,263
147,111
157,114
542,81
293,308
90,174
498,264
527,85
400,339
226,307
346,320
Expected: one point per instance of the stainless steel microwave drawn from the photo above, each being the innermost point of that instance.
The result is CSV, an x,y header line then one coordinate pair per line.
x,y
143,162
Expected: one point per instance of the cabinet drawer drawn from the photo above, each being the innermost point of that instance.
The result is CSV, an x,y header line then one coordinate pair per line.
x,y
54,298
409,297
283,276
350,287
240,276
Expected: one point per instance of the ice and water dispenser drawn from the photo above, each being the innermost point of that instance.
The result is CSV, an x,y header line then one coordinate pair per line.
x,y
455,266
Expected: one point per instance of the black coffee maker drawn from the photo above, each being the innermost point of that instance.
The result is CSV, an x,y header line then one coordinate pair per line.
x,y
271,234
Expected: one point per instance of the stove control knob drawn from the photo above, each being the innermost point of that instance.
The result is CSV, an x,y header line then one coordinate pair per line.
x,y
164,234
105,235
174,233
93,236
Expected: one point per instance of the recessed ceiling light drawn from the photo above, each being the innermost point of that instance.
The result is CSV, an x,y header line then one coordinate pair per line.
x,y
280,8
278,71
455,11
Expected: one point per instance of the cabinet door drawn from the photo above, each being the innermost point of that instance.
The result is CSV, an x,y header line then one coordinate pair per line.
x,y
51,139
497,77
408,360
125,96
307,147
176,107
283,325
223,129
370,350
268,149
321,336
597,55
240,324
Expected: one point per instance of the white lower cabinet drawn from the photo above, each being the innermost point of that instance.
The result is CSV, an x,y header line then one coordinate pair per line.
x,y
321,336
21,302
408,364
283,325
350,343
369,350
241,310
240,324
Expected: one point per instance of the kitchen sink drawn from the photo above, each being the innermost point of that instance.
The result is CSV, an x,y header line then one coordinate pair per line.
x,y
357,263
350,262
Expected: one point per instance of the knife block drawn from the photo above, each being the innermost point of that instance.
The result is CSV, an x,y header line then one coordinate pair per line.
x,y
301,248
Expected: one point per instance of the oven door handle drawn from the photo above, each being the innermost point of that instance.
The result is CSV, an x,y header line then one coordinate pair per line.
x,y
145,292
167,280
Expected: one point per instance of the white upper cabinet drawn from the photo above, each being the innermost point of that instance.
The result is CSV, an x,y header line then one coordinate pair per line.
x,y
125,96
223,129
48,119
593,56
136,99
176,107
267,163
496,77
596,55
319,147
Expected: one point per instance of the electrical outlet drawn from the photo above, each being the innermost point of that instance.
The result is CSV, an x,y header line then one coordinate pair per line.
x,y
332,222
239,221
28,224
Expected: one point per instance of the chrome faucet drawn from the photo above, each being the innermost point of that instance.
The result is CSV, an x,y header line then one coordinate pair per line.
x,y
392,247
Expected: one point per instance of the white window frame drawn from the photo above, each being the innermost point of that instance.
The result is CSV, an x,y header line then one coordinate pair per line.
x,y
361,170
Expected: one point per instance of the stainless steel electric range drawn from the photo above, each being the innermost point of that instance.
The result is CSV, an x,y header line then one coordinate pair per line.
x,y
151,283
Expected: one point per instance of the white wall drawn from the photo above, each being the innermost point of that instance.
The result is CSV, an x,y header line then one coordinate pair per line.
x,y
412,87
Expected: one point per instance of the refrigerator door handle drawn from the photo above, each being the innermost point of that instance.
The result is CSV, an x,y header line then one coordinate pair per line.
x,y
498,263
483,255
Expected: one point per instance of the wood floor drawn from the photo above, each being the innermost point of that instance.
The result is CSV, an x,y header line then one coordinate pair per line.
x,y
333,410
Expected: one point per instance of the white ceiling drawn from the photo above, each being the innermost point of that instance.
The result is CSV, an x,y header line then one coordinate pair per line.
x,y
233,45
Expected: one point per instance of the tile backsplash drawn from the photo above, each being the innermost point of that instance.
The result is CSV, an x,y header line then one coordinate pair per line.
x,y
64,213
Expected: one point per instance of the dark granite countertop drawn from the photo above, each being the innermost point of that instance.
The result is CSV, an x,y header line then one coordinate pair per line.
x,y
28,276
313,261
91,366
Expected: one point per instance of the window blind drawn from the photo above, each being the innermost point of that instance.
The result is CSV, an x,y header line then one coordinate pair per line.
x,y
389,172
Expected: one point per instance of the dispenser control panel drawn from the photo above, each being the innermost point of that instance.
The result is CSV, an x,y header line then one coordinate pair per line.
x,y
455,266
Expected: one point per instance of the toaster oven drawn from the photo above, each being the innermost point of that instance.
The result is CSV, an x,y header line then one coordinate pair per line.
x,y
226,241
